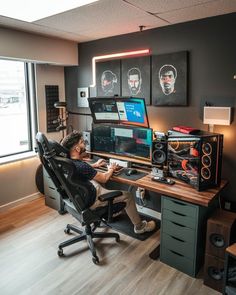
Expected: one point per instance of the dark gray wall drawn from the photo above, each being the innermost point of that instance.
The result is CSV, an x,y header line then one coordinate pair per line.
x,y
211,46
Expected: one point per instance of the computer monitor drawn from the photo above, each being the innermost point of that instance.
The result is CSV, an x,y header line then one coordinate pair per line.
x,y
132,111
120,110
104,110
123,140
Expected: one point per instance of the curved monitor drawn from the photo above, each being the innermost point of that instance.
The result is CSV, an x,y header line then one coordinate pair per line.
x,y
120,110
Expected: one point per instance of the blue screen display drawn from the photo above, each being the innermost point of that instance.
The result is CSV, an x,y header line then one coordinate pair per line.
x,y
122,110
134,112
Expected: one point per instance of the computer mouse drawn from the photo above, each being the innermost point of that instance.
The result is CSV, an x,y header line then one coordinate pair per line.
x,y
131,172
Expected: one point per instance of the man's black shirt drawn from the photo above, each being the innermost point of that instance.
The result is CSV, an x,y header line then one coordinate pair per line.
x,y
86,173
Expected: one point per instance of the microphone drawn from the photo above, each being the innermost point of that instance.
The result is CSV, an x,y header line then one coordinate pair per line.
x,y
56,121
60,127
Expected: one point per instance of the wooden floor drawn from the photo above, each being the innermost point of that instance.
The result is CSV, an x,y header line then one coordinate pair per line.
x,y
29,236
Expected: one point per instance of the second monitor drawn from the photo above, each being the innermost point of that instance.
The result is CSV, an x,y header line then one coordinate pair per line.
x,y
120,110
128,141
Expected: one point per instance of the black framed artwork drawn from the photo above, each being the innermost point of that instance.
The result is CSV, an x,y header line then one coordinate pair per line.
x,y
136,77
108,78
169,79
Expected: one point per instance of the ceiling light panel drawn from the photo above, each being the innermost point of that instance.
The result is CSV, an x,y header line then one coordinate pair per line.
x,y
32,10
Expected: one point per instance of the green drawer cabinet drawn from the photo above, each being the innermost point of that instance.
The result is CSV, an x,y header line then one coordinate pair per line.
x,y
183,231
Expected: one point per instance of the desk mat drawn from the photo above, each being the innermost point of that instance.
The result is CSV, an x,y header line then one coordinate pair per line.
x,y
123,225
133,176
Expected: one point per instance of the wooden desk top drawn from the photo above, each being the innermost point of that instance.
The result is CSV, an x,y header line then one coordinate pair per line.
x,y
179,190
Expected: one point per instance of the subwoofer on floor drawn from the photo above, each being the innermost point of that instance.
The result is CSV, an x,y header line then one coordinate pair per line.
x,y
221,232
159,153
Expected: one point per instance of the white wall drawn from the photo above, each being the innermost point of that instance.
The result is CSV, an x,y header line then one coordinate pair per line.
x,y
27,46
17,180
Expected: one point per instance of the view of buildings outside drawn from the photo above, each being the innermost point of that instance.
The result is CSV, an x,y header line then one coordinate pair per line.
x,y
13,108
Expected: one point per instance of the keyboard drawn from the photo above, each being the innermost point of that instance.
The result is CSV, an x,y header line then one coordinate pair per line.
x,y
118,170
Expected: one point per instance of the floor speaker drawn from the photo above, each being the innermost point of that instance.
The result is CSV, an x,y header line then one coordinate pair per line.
x,y
221,232
214,272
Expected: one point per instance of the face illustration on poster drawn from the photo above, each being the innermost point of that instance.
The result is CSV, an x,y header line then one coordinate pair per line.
x,y
108,81
167,78
134,81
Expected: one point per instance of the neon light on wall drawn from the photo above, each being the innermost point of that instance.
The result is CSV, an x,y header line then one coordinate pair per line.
x,y
111,56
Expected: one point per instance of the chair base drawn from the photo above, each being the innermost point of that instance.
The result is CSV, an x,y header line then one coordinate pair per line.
x,y
86,234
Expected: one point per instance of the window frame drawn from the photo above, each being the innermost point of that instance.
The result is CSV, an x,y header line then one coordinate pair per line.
x,y
32,115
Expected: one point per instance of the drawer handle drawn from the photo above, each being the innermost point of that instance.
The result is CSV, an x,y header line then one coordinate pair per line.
x,y
52,198
177,239
52,188
182,204
176,253
178,224
177,213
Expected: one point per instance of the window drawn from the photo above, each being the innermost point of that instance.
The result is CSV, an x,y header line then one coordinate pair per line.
x,y
17,119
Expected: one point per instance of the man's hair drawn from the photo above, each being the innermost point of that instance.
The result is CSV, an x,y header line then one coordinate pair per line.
x,y
71,139
134,71
109,76
167,68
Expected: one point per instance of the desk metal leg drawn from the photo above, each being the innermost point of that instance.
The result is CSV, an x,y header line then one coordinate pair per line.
x,y
155,254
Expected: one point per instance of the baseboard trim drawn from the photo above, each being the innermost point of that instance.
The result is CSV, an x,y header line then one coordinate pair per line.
x,y
20,201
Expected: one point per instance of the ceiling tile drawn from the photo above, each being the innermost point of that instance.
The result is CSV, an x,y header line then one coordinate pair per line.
x,y
160,6
212,8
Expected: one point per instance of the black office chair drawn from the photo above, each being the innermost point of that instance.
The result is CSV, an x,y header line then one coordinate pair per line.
x,y
74,193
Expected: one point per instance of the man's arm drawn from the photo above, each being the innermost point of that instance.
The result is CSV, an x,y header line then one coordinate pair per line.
x,y
99,163
104,177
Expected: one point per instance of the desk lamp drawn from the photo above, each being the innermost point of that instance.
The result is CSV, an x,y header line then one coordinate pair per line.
x,y
216,116
61,105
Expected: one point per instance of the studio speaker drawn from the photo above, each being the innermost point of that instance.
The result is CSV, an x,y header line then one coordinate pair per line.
x,y
159,152
87,140
214,272
220,234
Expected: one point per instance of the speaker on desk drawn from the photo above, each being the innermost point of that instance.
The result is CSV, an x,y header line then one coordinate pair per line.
x,y
87,140
221,232
159,152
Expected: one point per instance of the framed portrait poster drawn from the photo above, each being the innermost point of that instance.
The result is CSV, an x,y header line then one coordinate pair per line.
x,y
136,77
169,79
108,78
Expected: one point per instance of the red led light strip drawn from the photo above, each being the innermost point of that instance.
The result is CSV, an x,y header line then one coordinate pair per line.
x,y
114,55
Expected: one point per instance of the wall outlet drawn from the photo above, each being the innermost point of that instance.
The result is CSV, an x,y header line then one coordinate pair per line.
x,y
227,205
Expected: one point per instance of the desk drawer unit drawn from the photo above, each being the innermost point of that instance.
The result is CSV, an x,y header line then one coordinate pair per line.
x,y
52,197
181,238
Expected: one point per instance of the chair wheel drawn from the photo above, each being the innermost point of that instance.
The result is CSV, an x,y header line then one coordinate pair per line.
x,y
67,230
60,253
118,239
95,260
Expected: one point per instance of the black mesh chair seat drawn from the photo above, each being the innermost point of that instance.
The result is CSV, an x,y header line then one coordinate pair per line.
x,y
74,194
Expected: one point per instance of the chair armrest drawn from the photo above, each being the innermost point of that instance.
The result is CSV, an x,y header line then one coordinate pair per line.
x,y
110,196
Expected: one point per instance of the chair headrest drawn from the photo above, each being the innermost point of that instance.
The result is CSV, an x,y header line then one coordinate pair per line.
x,y
59,149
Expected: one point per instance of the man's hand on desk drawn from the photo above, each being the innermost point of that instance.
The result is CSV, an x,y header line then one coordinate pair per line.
x,y
99,163
113,166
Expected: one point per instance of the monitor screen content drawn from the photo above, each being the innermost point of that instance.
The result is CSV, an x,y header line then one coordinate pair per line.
x,y
123,140
104,110
132,111
122,110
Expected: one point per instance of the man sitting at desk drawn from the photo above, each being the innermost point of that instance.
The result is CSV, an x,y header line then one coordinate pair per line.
x,y
74,142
